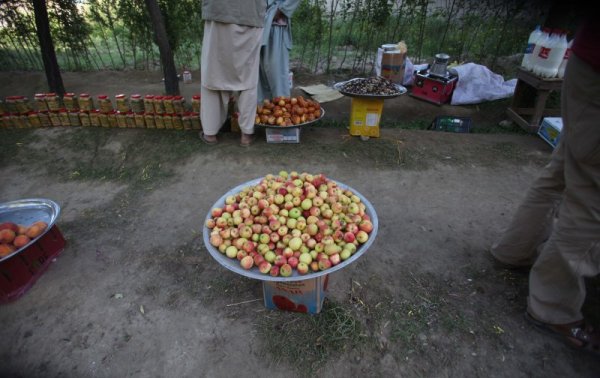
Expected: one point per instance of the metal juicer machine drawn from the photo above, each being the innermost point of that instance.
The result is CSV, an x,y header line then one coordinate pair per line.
x,y
435,84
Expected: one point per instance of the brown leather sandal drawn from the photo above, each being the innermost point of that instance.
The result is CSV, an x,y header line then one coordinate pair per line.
x,y
577,335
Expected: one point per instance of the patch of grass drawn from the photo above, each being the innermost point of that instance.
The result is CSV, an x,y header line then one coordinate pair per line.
x,y
141,159
305,341
412,125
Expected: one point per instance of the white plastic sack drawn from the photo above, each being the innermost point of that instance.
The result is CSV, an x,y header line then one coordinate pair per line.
x,y
476,83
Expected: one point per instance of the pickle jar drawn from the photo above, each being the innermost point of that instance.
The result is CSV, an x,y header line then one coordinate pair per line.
x,y
149,104
34,119
130,120
159,122
85,102
112,119
140,120
186,121
196,103
84,118
150,123
158,105
195,120
179,104
177,123
39,100
70,101
44,119
95,118
74,118
122,104
136,103
168,104
121,120
105,104
103,119
52,101
168,121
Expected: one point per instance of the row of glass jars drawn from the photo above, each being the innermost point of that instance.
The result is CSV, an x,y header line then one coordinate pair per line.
x,y
63,117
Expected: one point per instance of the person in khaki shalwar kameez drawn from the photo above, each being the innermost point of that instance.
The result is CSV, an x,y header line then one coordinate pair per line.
x,y
230,63
557,227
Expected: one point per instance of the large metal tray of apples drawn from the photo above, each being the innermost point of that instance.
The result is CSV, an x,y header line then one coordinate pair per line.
x,y
234,265
262,119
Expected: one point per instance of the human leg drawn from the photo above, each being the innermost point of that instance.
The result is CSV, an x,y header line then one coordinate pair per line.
x,y
213,111
532,223
556,283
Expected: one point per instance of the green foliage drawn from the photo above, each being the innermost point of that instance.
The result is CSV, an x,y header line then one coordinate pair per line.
x,y
329,36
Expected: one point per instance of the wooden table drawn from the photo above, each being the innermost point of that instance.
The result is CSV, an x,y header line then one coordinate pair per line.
x,y
529,101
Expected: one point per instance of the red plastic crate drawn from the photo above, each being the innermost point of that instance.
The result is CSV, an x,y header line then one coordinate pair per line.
x,y
19,273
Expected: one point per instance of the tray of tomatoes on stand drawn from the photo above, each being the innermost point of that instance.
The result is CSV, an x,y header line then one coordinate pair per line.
x,y
282,117
290,231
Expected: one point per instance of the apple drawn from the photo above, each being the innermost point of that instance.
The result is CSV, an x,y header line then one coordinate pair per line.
x,y
349,237
216,212
362,236
216,240
302,268
210,223
332,249
258,259
305,258
285,270
295,244
293,262
287,252
270,256
280,260
345,254
274,271
264,267
247,262
264,238
241,254
324,264
291,223
350,247
231,252
366,226
295,212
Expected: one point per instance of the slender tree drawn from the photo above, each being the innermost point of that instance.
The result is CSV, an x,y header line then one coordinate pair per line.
x,y
164,47
53,76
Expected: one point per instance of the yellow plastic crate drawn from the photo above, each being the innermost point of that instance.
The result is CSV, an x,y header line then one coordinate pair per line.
x,y
365,117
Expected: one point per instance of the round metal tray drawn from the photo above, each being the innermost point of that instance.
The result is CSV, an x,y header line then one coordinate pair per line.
x,y
292,126
234,264
338,86
26,212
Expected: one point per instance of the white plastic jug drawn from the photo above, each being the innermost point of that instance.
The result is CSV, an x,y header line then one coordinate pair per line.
x,y
563,64
534,37
534,61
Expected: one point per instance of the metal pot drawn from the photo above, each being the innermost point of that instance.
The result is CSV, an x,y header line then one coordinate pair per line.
x,y
438,68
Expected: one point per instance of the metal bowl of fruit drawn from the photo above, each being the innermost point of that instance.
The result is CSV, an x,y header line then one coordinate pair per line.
x,y
31,218
214,235
288,112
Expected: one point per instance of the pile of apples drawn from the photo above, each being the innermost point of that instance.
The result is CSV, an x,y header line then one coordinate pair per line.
x,y
290,222
14,236
287,111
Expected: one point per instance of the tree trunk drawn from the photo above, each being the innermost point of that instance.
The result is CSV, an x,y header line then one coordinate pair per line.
x,y
166,54
55,83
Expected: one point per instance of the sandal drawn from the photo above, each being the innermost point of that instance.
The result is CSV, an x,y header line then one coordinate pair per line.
x,y
209,142
248,141
577,335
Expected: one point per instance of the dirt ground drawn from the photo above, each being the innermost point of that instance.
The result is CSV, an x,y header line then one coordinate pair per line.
x,y
136,294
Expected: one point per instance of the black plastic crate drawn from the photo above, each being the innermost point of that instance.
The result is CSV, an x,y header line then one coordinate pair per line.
x,y
451,124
